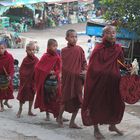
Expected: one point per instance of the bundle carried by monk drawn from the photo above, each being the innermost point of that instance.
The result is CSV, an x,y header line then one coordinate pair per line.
x,y
130,84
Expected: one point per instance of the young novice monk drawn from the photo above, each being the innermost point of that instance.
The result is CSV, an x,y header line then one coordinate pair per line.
x,y
49,64
7,69
73,70
27,84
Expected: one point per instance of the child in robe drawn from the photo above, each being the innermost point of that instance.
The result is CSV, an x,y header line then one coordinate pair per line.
x,y
7,69
49,63
27,84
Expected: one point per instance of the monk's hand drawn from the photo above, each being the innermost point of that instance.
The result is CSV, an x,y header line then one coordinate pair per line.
x,y
83,74
129,68
52,72
53,76
9,78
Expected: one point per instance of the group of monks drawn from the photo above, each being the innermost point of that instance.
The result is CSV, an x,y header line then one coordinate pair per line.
x,y
101,102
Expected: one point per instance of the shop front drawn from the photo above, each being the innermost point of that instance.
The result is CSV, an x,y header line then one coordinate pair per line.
x,y
68,12
23,11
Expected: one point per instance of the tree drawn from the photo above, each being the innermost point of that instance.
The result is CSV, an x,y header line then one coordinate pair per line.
x,y
125,13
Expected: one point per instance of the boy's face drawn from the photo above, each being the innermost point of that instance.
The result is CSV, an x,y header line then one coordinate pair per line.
x,y
53,46
72,38
2,49
110,35
30,50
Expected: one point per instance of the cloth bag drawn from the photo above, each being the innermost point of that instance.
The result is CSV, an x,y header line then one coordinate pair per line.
x,y
50,87
51,83
4,80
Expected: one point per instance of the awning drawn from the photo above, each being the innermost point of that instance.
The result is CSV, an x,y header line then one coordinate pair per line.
x,y
3,9
5,3
65,1
23,2
62,1
88,1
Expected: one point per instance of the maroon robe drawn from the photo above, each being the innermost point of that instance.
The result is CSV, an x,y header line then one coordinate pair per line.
x,y
27,83
73,62
7,62
48,62
102,101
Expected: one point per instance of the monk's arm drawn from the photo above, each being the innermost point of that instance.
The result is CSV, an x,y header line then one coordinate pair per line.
x,y
121,59
57,68
84,62
11,67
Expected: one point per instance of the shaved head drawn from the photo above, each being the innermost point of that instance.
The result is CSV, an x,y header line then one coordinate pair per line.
x,y
68,32
108,28
30,44
109,33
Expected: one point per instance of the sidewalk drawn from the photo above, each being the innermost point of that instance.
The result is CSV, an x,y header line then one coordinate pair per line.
x,y
36,128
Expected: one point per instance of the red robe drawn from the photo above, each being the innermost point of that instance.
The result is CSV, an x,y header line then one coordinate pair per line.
x,y
27,83
102,101
48,62
7,61
73,62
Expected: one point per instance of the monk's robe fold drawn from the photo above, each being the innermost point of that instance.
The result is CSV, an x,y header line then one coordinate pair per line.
x,y
73,63
48,62
102,101
7,62
27,83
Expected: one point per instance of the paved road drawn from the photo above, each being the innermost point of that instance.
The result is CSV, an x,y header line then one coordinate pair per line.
x,y
36,128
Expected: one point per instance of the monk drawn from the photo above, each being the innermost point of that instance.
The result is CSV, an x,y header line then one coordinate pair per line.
x,y
102,101
73,71
49,64
7,69
27,83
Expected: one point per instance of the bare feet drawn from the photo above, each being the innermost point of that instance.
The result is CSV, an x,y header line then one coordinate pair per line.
x,y
19,113
60,122
6,104
31,114
1,109
47,118
74,126
65,120
115,129
98,135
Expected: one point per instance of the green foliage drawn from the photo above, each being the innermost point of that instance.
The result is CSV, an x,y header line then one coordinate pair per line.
x,y
125,12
